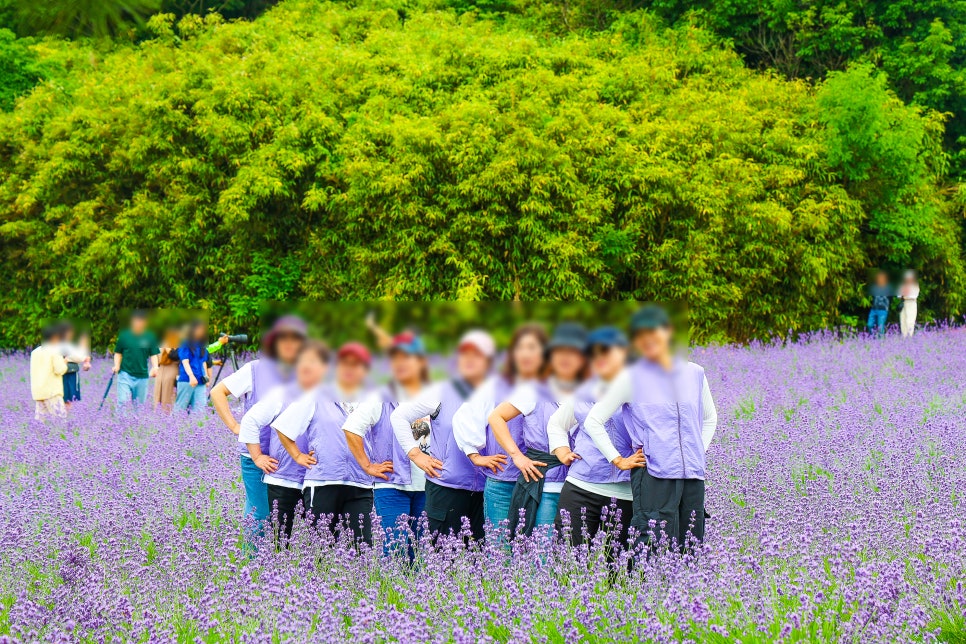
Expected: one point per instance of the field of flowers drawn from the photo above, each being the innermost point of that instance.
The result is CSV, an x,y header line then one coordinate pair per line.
x,y
836,485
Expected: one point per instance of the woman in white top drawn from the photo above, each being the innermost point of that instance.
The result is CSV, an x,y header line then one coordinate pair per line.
x,y
400,492
909,292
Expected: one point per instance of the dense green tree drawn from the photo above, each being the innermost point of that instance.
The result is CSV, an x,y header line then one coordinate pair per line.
x,y
410,152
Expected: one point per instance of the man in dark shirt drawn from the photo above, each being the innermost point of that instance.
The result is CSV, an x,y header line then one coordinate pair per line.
x,y
135,347
880,292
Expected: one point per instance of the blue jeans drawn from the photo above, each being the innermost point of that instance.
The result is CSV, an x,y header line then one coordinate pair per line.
x,y
547,511
131,389
190,398
877,321
391,504
496,501
256,495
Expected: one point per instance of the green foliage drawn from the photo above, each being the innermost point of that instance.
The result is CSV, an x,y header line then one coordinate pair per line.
x,y
401,152
74,18
19,70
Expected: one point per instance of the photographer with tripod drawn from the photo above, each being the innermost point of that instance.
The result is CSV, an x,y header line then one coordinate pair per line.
x,y
194,372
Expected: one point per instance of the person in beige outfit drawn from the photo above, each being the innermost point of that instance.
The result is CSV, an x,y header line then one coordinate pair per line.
x,y
47,367
166,384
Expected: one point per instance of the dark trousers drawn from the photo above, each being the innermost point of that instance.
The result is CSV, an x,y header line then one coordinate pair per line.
x,y
335,507
587,516
675,505
446,507
284,502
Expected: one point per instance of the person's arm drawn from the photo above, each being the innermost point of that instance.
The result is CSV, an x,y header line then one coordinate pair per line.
x,y
59,364
237,384
402,419
618,394
559,427
383,338
469,428
192,380
359,423
261,414
117,362
153,359
292,423
709,422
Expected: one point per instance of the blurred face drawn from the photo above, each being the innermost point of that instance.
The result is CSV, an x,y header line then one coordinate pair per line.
x,y
199,333
607,362
138,325
471,364
310,369
566,363
287,347
405,367
653,344
528,356
881,279
350,373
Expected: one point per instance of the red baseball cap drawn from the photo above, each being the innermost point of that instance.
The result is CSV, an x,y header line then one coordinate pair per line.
x,y
355,350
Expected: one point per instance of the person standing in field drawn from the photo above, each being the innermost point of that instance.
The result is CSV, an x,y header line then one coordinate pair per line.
x,y
194,371
454,485
255,379
537,489
282,474
136,347
525,363
881,293
670,416
78,359
166,383
909,293
593,483
400,495
337,491
47,368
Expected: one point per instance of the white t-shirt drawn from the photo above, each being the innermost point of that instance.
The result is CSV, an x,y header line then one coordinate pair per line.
x,y
240,382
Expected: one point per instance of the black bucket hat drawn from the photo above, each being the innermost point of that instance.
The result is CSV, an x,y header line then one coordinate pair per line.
x,y
568,335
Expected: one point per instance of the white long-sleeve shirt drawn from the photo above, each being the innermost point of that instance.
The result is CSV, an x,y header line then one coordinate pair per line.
x,y
407,413
621,392
470,420
263,413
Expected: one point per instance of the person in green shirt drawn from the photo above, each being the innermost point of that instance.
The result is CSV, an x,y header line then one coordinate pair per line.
x,y
136,346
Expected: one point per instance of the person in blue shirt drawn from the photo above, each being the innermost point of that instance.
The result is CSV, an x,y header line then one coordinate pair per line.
x,y
880,294
194,372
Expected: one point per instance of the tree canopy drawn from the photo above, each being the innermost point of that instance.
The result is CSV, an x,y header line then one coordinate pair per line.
x,y
412,152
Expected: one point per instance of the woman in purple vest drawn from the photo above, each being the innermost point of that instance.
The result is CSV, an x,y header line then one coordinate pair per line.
x,y
525,363
454,486
592,482
335,489
535,402
400,495
670,416
280,348
282,474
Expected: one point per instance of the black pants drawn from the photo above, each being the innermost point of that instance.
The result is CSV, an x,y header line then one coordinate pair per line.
x,y
446,507
585,510
335,507
284,502
677,503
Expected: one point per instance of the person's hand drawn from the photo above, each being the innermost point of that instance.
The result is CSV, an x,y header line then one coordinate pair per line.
x,y
306,460
566,455
378,470
630,462
495,463
115,369
266,463
223,340
87,365
429,464
528,467
192,380
153,373
370,319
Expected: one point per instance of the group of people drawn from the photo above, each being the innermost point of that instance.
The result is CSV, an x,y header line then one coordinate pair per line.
x,y
564,431
882,293
54,366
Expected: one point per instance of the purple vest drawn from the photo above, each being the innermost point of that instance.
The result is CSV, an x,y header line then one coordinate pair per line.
x,y
458,471
265,377
535,430
383,445
288,469
664,418
325,437
592,467
510,474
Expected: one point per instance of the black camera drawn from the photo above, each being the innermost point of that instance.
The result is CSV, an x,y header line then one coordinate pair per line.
x,y
240,338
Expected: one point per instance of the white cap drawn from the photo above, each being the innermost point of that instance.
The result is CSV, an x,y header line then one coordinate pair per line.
x,y
480,340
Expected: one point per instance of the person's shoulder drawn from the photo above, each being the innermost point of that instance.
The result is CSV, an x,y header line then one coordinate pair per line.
x,y
694,367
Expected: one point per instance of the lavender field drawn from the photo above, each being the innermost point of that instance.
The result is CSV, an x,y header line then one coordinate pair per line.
x,y
836,486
